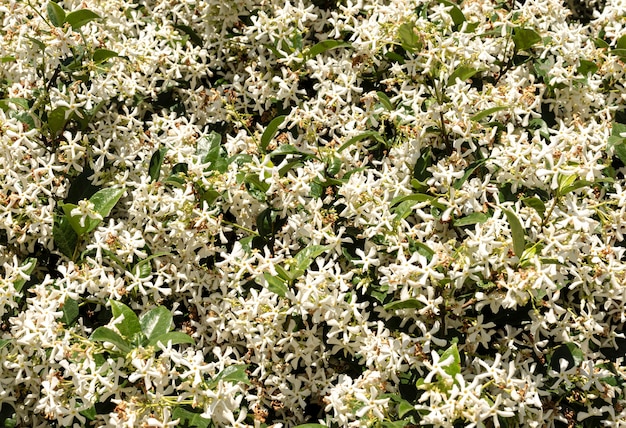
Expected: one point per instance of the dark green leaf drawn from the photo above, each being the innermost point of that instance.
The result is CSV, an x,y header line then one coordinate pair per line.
x,y
570,352
190,419
365,135
104,334
621,42
420,170
517,232
78,18
270,131
462,72
417,197
524,38
324,46
70,312
404,304
156,322
483,114
455,13
101,55
65,238
385,101
404,407
27,267
193,36
56,14
537,204
89,413
620,151
143,268
57,120
470,219
156,161
334,167
129,324
586,67
4,342
459,183
175,337
275,284
287,149
234,374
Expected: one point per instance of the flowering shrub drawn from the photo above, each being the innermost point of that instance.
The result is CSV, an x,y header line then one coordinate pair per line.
x,y
336,213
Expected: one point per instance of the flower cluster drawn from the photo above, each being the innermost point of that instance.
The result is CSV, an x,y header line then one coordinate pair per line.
x,y
275,213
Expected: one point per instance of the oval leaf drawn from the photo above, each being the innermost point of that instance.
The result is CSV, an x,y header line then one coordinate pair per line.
x,y
78,18
56,14
156,322
129,325
404,304
104,200
270,131
104,334
175,337
517,233
326,45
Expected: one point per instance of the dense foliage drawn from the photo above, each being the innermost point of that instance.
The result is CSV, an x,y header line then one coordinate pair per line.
x,y
264,213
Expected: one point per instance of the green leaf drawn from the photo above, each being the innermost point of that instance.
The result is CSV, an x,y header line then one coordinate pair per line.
x,y
365,135
210,151
537,204
455,13
459,183
143,268
483,114
288,149
176,337
385,101
78,18
454,367
129,325
156,322
56,14
403,304
156,161
4,342
462,72
470,219
74,221
276,284
524,38
569,352
422,249
620,151
404,407
304,258
89,413
517,232
104,200
65,238
104,334
324,46
57,120
586,67
193,36
101,55
27,267
409,39
70,312
190,419
270,131
234,374
5,104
